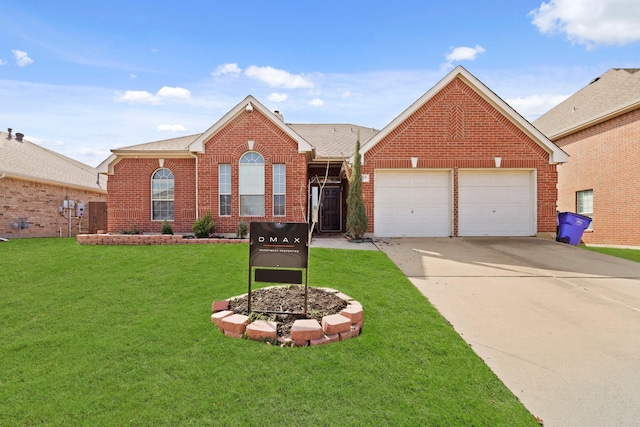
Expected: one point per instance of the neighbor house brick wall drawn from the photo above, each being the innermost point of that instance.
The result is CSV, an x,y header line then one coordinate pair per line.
x,y
605,158
458,129
38,203
129,201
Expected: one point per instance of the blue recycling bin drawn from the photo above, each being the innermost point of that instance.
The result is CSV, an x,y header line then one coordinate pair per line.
x,y
571,226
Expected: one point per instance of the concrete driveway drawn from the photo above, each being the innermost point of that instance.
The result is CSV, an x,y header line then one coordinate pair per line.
x,y
559,325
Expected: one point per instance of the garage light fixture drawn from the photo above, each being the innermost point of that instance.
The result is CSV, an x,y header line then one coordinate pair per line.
x,y
498,160
414,162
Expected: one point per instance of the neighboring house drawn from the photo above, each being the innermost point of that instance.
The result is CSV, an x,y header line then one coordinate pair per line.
x,y
42,193
457,162
599,127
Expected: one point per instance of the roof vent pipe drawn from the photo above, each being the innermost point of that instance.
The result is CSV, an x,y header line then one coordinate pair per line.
x,y
19,136
279,115
9,130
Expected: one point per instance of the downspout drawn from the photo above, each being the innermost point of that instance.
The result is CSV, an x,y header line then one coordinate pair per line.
x,y
195,156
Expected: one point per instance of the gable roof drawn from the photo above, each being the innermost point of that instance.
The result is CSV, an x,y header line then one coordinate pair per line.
x,y
28,161
615,92
248,104
556,155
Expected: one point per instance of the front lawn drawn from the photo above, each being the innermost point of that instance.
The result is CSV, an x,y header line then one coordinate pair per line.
x,y
630,254
121,335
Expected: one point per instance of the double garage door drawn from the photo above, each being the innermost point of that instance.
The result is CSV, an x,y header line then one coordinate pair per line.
x,y
419,203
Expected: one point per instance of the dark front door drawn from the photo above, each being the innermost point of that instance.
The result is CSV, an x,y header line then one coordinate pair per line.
x,y
331,212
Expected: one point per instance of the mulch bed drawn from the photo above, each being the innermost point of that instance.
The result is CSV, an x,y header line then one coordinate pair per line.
x,y
289,299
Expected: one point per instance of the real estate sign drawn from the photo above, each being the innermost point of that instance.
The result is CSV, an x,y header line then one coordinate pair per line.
x,y
278,253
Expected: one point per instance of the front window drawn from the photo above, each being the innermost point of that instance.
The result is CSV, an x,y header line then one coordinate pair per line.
x,y
584,205
279,189
224,189
162,193
251,185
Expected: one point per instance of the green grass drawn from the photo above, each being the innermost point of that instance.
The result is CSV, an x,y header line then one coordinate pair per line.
x,y
630,254
116,335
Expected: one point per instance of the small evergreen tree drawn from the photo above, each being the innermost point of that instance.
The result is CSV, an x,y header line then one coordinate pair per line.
x,y
204,226
166,227
356,214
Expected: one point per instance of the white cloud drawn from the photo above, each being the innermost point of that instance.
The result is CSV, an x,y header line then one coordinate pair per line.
x,y
462,53
171,128
174,93
317,102
278,97
138,97
278,78
590,22
346,94
133,76
231,69
534,106
144,97
3,62
22,58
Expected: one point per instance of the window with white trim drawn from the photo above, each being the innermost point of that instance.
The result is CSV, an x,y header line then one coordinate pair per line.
x,y
584,205
251,184
279,189
224,189
162,193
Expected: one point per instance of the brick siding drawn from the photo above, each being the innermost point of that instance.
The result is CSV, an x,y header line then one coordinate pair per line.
x,y
129,201
605,158
38,203
457,129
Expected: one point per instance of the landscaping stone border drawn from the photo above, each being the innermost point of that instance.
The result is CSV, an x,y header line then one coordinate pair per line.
x,y
149,239
304,332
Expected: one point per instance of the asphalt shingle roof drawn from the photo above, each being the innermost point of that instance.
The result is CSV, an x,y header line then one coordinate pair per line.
x,y
334,141
30,161
330,140
613,91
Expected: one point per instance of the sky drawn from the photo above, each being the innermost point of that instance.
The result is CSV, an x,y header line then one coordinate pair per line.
x,y
84,77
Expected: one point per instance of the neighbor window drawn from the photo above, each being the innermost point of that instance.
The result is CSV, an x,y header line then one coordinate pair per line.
x,y
224,189
251,184
162,185
584,204
279,189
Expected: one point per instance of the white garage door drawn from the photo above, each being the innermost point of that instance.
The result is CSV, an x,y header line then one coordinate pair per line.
x,y
496,203
412,203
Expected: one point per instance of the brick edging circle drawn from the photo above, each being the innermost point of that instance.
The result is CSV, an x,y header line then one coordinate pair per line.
x,y
304,332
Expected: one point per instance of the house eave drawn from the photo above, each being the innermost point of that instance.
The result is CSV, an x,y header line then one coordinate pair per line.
x,y
52,182
594,121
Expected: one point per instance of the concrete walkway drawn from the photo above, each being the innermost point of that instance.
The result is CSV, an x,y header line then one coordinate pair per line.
x,y
559,325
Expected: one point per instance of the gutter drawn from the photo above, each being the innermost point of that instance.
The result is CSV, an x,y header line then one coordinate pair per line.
x,y
3,175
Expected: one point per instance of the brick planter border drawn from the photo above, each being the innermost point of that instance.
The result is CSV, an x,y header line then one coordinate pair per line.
x,y
149,239
307,332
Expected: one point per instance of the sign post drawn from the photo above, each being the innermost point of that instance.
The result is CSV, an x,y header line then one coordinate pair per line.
x,y
279,253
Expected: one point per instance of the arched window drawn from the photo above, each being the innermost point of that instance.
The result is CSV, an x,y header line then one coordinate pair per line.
x,y
162,185
251,184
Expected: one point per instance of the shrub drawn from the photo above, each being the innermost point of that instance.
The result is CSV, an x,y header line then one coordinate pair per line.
x,y
241,232
356,214
166,227
204,226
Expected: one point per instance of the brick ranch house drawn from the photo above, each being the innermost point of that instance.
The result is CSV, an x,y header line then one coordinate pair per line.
x,y
458,162
599,127
34,185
